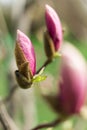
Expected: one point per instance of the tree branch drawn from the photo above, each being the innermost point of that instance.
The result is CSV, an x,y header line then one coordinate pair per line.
x,y
47,62
48,125
6,121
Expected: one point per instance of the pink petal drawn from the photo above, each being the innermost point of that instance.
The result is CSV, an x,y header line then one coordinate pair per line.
x,y
73,84
27,49
54,26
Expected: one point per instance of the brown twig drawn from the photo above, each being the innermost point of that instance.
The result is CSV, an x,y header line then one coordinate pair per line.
x,y
4,124
47,62
48,125
5,119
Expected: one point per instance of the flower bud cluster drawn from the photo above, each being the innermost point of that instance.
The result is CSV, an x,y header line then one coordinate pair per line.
x,y
25,54
72,86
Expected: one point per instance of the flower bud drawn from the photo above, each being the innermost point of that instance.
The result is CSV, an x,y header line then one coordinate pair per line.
x,y
25,58
54,27
73,81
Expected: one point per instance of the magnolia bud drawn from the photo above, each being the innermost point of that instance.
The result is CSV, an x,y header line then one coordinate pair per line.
x,y
54,29
73,81
25,59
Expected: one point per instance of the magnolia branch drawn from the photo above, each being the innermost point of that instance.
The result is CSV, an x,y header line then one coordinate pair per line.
x,y
5,119
47,62
48,125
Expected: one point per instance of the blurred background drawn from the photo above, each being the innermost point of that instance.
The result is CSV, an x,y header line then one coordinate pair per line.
x,y
27,107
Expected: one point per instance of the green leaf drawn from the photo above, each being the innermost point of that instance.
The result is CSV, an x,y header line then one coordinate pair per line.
x,y
39,78
57,54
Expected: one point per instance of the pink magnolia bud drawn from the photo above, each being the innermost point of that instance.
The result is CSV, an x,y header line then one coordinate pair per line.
x,y
73,81
27,51
53,26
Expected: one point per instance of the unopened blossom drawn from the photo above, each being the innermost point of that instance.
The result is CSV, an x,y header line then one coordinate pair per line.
x,y
73,80
25,59
54,27
27,49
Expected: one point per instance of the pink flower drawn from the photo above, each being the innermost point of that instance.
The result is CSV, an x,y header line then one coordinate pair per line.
x,y
53,26
73,81
27,51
